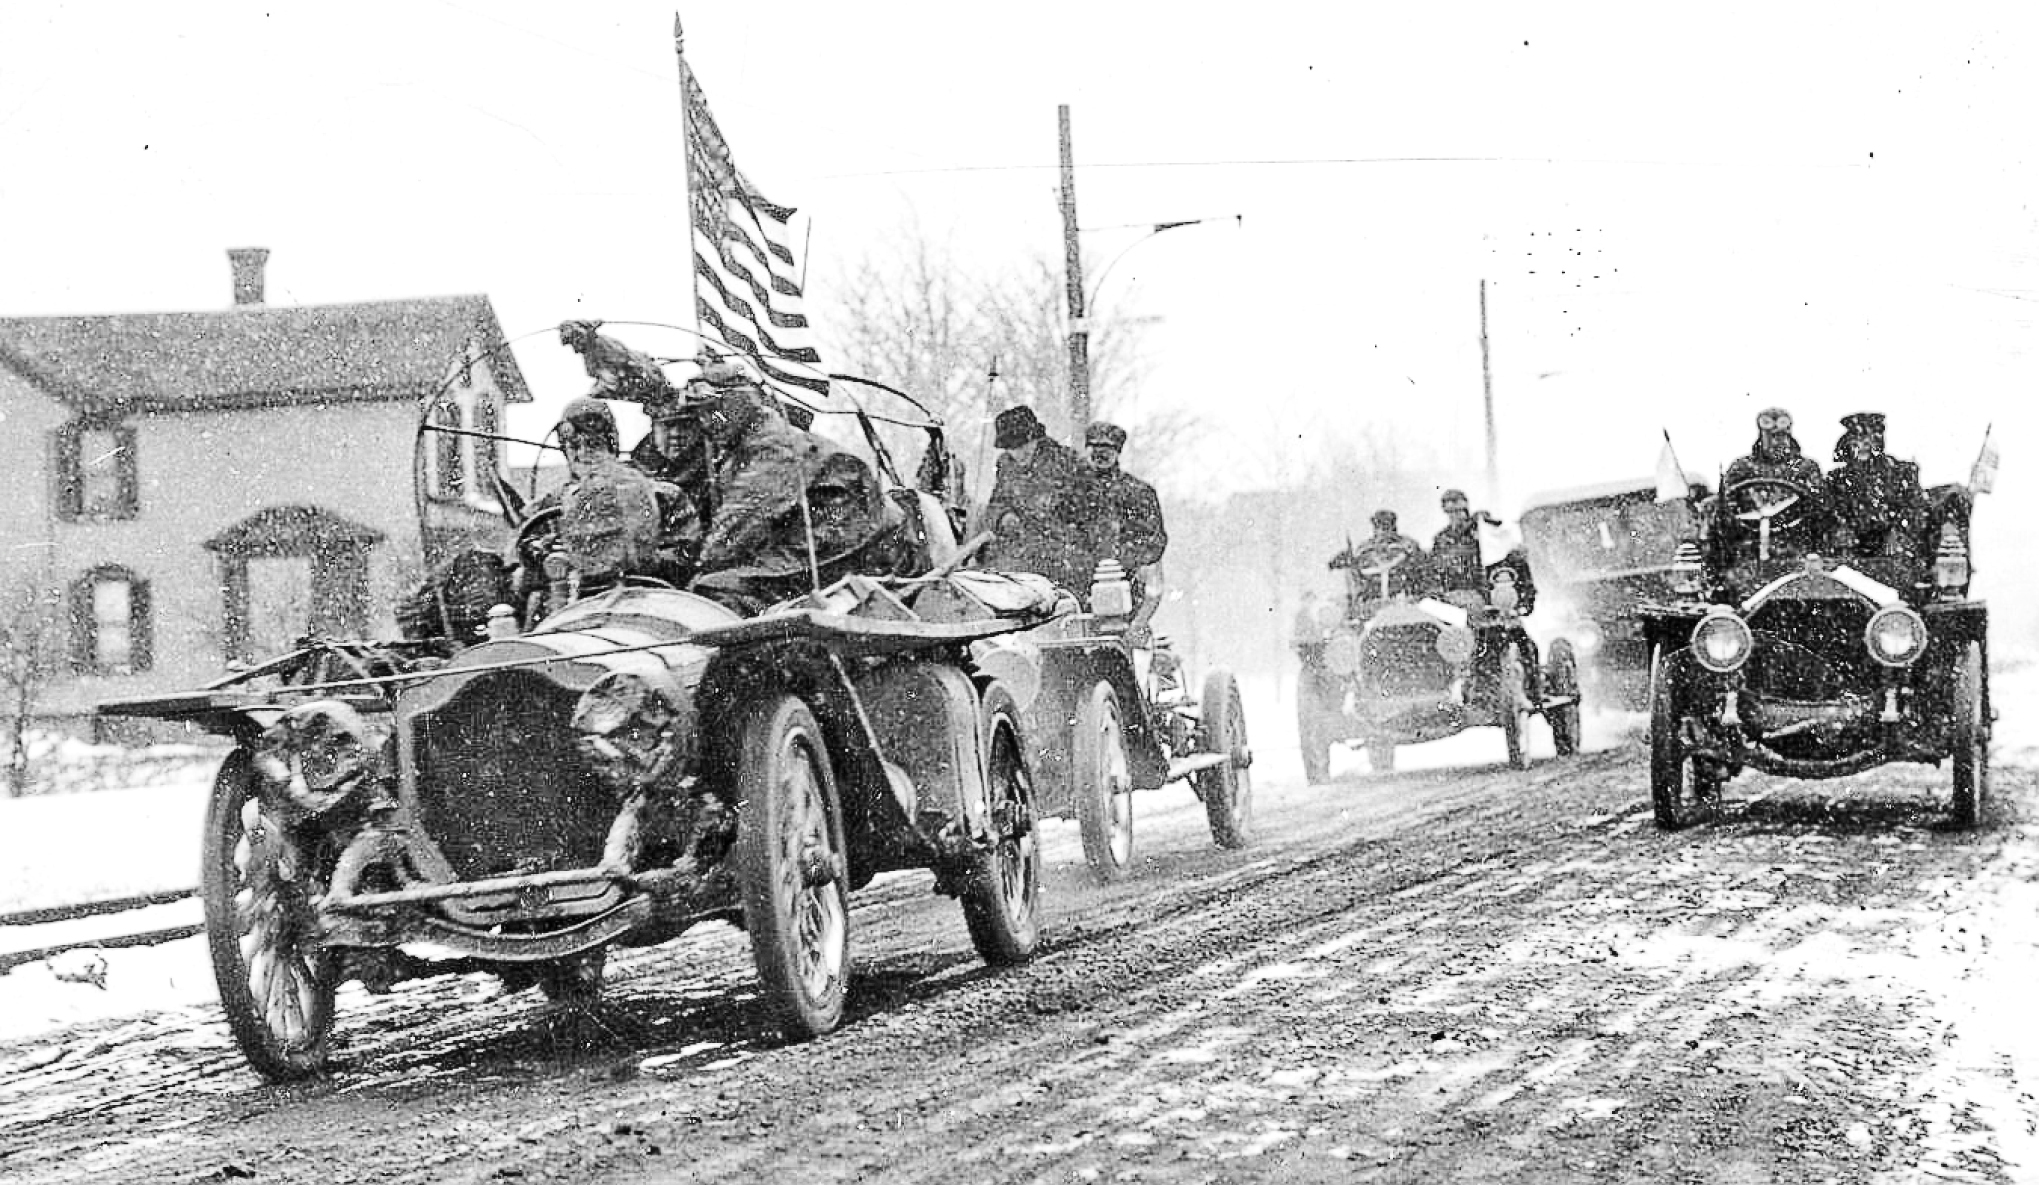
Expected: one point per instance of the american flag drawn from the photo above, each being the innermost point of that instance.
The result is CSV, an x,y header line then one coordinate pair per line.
x,y
746,284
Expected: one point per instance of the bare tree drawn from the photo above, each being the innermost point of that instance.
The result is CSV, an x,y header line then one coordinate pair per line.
x,y
970,345
34,650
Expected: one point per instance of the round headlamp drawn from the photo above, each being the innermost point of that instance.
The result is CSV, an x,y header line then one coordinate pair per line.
x,y
1587,637
1896,636
1455,645
1342,653
1327,615
1503,594
1722,642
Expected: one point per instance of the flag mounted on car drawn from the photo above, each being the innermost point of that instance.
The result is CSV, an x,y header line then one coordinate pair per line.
x,y
747,287
1983,474
1671,478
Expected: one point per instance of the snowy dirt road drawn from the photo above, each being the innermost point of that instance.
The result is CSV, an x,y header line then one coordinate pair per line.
x,y
1465,973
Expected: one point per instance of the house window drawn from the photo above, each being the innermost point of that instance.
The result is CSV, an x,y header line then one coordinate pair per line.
x,y
449,451
110,627
96,472
290,571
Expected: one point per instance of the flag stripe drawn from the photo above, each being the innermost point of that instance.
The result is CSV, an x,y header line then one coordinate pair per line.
x,y
747,285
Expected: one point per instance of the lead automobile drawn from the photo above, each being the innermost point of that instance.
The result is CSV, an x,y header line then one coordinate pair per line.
x,y
1781,659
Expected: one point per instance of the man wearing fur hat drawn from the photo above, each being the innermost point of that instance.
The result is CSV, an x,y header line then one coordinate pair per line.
x,y
1775,496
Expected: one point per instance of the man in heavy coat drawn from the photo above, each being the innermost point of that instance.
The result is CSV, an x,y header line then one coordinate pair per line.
x,y
1119,517
1784,514
1033,513
1876,498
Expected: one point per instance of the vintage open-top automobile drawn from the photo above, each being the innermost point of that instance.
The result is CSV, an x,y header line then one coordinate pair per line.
x,y
1396,665
640,761
1108,712
1805,657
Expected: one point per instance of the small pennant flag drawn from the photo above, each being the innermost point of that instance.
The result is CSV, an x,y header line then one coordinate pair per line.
x,y
1671,480
1983,474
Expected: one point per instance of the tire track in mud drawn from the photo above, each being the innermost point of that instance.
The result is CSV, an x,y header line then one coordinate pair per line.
x,y
1476,974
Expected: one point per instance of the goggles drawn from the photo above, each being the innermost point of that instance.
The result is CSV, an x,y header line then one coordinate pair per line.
x,y
1775,421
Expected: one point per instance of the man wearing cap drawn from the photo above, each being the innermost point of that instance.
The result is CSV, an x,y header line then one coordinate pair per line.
x,y
1033,511
1119,517
1385,564
1455,550
1775,496
1876,498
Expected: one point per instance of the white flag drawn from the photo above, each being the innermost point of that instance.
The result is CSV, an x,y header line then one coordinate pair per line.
x,y
1983,474
1671,480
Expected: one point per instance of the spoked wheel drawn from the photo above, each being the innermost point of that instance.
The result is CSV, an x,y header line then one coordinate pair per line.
x,y
1381,758
276,984
1002,889
1562,679
1971,736
1680,791
1512,701
1100,777
1227,790
1315,709
791,867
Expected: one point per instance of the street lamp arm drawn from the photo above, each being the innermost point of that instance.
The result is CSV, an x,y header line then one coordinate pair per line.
x,y
1091,301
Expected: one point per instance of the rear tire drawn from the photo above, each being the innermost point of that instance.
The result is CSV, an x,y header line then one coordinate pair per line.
x,y
575,980
1971,737
1002,887
1314,712
1101,778
1562,678
1679,792
1227,790
791,866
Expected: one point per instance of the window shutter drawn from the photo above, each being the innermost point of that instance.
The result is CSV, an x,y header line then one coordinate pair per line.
x,y
84,631
130,476
141,630
70,482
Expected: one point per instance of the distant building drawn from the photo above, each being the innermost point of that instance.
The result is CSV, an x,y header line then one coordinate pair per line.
x,y
209,486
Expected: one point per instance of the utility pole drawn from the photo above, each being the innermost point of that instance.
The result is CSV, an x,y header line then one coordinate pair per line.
x,y
1073,283
1487,391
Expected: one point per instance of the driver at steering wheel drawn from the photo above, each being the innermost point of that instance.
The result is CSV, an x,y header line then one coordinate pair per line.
x,y
1386,564
1773,500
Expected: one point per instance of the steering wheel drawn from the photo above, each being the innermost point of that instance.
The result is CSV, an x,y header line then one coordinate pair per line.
x,y
1768,497
536,539
1375,562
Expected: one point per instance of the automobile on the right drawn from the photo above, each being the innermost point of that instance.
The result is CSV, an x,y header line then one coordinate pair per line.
x,y
1796,647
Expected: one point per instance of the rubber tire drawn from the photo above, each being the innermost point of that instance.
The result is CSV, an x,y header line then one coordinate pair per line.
x,y
277,1055
1562,678
1002,887
773,733
1227,790
1104,806
574,980
1971,737
1381,758
1679,794
1512,690
1313,735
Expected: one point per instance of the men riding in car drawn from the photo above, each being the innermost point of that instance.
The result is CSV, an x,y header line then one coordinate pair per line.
x,y
1455,549
1773,501
1033,512
791,509
1386,564
1878,506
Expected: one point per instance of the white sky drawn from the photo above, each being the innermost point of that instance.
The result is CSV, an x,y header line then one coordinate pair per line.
x,y
1683,214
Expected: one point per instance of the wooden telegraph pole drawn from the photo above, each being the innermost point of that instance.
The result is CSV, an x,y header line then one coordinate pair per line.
x,y
1073,282
1487,391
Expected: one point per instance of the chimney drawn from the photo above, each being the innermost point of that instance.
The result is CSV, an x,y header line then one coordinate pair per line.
x,y
248,263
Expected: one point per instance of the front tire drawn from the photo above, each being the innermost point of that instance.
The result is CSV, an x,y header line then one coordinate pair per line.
x,y
791,867
1512,703
1561,679
1002,887
1100,775
276,983
1971,737
1227,790
1679,792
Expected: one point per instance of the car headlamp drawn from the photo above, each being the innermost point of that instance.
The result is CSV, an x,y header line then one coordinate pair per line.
x,y
1328,615
1896,636
1503,595
1587,638
1455,645
633,730
1342,653
1722,641
319,754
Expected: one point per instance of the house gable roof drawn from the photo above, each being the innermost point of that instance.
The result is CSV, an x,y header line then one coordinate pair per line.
x,y
255,356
